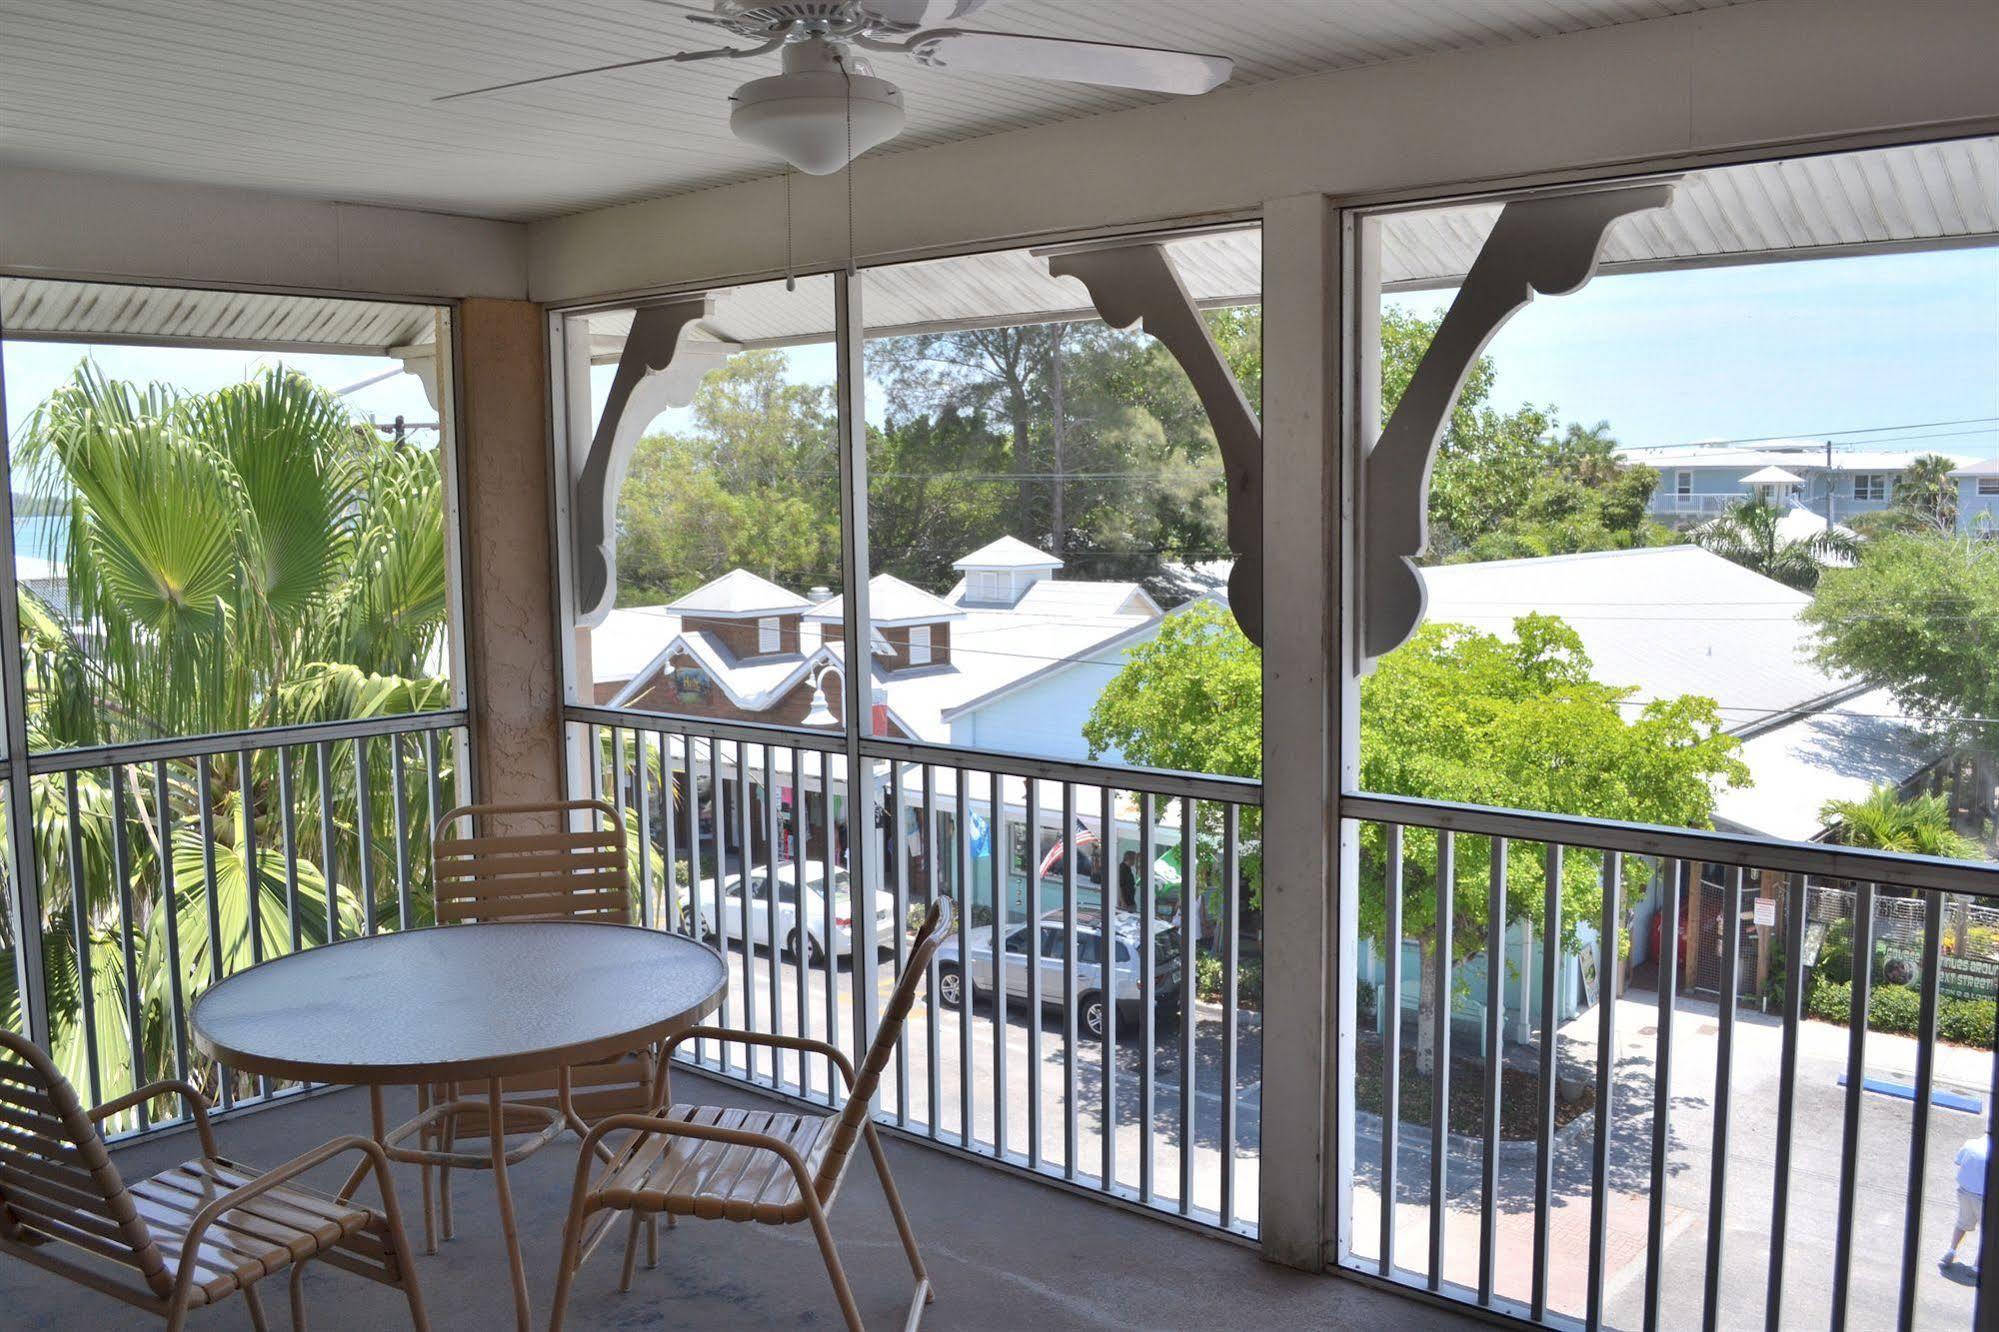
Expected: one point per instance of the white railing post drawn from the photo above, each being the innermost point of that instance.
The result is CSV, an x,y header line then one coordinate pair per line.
x,y
1306,1122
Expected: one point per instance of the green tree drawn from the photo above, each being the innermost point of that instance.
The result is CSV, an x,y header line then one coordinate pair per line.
x,y
754,485
1925,500
1919,615
1917,826
1454,714
1751,534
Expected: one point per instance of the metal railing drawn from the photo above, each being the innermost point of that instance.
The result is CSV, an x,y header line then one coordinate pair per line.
x,y
167,865
1642,1158
1000,1058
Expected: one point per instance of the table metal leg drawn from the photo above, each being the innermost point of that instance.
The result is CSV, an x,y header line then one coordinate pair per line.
x,y
379,1122
497,1124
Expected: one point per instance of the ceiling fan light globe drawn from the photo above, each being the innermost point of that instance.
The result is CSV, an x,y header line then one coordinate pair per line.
x,y
802,117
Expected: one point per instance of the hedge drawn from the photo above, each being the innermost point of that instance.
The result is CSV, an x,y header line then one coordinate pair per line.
x,y
1898,1009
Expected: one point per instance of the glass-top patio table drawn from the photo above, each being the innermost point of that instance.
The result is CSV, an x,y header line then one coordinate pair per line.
x,y
463,1004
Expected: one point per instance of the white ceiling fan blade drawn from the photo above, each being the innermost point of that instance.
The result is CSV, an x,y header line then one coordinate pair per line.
x,y
1146,68
677,58
923,13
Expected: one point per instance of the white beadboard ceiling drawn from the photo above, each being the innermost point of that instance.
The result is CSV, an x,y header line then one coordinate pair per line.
x,y
331,98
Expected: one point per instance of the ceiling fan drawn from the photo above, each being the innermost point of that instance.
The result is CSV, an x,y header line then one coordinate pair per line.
x,y
827,107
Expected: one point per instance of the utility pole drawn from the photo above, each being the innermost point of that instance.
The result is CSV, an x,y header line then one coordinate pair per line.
x,y
1831,479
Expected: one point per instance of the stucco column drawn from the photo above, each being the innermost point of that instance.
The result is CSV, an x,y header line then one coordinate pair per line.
x,y
513,662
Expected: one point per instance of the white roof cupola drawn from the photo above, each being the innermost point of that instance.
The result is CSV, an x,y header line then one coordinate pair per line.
x,y
1000,572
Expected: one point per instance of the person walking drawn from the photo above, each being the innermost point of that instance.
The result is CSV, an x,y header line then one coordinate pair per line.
x,y
1970,1191
1127,882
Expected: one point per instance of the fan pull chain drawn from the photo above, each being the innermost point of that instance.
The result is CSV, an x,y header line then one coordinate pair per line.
x,y
790,276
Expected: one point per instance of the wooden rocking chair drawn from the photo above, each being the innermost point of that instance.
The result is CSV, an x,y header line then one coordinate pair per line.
x,y
192,1235
752,1165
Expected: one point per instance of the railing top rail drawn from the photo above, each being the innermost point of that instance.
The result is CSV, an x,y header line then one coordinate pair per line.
x,y
229,742
1194,785
1720,848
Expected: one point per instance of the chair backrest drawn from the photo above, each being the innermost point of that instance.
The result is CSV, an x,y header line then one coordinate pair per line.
x,y
853,1117
56,1179
486,868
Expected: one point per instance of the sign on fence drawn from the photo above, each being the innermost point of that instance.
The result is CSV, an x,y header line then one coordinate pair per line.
x,y
1766,912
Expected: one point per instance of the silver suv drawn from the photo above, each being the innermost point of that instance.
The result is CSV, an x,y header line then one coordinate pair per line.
x,y
954,971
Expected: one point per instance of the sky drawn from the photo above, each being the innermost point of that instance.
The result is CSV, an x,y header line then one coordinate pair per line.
x,y
1811,349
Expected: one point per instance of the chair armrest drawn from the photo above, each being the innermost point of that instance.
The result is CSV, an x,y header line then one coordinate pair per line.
x,y
805,1045
269,1180
196,1103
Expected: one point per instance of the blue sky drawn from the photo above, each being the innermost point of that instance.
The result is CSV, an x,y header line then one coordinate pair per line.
x,y
1814,349
1808,348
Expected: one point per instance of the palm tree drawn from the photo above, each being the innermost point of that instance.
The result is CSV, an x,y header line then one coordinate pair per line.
x,y
1918,826
1751,535
1925,494
236,560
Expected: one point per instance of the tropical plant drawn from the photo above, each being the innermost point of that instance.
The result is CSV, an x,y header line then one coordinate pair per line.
x,y
236,560
1918,825
1751,534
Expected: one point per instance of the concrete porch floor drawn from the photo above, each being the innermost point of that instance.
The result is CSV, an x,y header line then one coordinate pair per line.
x,y
1003,1252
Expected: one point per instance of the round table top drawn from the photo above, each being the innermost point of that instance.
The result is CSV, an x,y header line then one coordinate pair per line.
x,y
459,1002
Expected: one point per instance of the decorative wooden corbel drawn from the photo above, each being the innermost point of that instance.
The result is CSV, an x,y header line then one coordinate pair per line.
x,y
1548,244
659,368
1137,284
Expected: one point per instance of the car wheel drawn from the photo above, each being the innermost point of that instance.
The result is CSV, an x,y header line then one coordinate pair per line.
x,y
791,948
951,987
1091,1018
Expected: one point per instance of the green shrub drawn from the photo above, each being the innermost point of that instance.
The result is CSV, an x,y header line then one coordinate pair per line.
x,y
1367,1007
1208,973
1966,1022
1895,1008
1829,1001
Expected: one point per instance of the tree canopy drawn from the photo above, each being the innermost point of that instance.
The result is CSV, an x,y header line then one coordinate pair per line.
x,y
1919,615
1751,534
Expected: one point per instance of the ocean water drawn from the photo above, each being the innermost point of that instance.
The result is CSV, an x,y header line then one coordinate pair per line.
x,y
39,536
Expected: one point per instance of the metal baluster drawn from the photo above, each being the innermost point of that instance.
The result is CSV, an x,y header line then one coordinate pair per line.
x,y
364,833
204,802
433,785
1231,968
1440,1056
1606,1068
329,868
170,919
930,1005
1724,1068
1919,1127
801,976
1390,1007
746,864
1495,1064
1002,885
1787,1093
288,833
1070,998
1544,1164
1190,948
253,874
1148,1020
121,872
826,850
1856,1076
773,973
966,1134
79,922
1985,1305
901,843
1108,978
1672,874
642,781
399,803
717,793
1032,961
669,791
694,861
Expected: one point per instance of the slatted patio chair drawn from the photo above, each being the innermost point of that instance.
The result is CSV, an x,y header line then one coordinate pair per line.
x,y
771,1167
189,1236
526,862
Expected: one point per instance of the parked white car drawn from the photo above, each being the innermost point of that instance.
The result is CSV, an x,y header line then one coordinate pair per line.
x,y
954,971
788,894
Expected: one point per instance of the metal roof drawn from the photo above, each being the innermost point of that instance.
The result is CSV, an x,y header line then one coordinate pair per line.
x,y
334,100
48,309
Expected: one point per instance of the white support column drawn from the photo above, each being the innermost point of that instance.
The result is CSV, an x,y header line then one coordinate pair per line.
x,y
23,889
1306,1124
857,630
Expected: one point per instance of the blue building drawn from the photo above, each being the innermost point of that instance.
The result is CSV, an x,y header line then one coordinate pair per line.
x,y
1700,481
